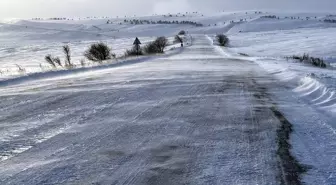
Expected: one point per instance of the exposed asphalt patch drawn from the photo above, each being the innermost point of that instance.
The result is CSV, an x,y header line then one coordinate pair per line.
x,y
291,168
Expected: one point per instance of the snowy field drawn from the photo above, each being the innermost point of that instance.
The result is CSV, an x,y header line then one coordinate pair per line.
x,y
152,119
26,42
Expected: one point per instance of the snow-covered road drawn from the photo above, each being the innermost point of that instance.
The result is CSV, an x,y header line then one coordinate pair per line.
x,y
192,118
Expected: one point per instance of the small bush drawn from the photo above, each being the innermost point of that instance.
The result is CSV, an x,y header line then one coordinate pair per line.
x,y
269,16
57,61
318,62
156,46
330,20
53,61
133,51
222,39
305,57
150,48
182,32
296,57
98,52
243,54
50,60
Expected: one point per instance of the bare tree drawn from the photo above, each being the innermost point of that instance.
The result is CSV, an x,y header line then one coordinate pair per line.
x,y
161,43
156,46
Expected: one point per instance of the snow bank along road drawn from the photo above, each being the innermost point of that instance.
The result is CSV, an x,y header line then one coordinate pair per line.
x,y
192,118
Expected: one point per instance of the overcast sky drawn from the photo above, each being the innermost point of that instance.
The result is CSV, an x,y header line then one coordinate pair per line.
x,y
51,8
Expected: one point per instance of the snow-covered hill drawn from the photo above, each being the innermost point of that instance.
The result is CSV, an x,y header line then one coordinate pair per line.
x,y
25,42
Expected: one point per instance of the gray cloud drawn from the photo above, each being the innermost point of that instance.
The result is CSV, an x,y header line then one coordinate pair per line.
x,y
43,8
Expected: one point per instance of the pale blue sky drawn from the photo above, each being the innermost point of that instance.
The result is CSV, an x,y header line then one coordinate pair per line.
x,y
49,8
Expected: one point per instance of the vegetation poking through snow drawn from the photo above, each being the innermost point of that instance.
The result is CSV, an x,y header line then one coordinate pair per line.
x,y
98,52
243,54
50,60
315,61
21,70
57,18
134,51
67,53
139,21
156,46
182,32
222,39
330,20
57,61
151,48
269,16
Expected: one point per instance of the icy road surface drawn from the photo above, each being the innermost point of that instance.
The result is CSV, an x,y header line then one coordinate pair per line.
x,y
192,118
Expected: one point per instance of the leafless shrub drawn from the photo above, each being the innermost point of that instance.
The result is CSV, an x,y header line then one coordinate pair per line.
x,y
134,51
21,70
243,54
57,61
50,60
53,61
67,53
156,46
315,61
150,48
98,52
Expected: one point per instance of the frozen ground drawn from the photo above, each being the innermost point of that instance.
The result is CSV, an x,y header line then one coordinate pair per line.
x,y
190,123
201,115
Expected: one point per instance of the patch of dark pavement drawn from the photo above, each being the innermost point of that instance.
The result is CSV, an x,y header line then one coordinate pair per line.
x,y
292,170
